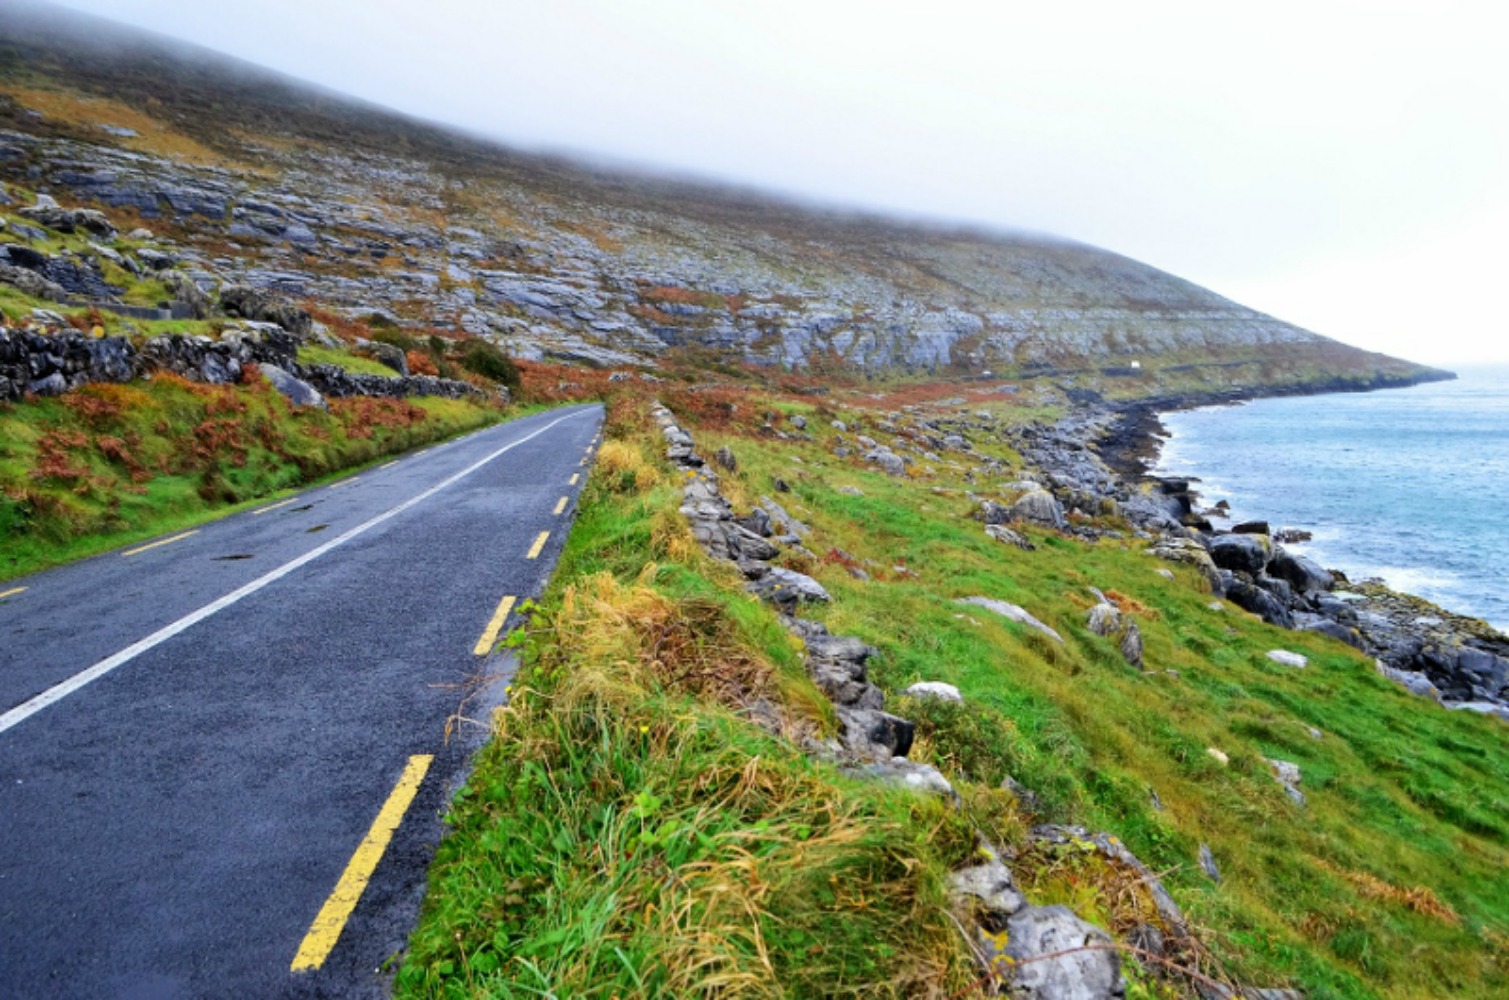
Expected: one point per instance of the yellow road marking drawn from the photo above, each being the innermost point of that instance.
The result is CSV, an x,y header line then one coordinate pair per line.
x,y
539,544
583,461
11,593
283,503
163,541
494,626
346,482
560,505
574,477
327,926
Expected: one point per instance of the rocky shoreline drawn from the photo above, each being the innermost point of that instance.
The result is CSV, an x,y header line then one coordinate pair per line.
x,y
1099,456
1134,439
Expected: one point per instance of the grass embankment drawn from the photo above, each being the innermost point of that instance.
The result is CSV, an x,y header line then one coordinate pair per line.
x,y
110,464
628,833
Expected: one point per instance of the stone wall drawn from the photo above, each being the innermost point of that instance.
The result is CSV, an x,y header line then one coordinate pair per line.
x,y
47,364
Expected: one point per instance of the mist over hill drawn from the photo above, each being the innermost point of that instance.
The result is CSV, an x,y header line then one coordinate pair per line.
x,y
293,188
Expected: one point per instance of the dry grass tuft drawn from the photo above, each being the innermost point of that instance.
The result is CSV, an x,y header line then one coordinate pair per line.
x,y
1131,606
630,637
625,469
1419,900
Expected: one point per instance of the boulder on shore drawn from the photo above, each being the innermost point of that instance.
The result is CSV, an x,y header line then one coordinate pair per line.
x,y
1241,553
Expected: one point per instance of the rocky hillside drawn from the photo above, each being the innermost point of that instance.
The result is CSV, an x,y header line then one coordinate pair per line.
x,y
269,182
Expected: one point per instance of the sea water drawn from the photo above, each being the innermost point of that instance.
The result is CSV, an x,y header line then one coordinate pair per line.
x,y
1409,485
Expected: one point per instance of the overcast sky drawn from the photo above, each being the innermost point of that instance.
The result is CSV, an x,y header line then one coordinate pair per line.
x,y
1341,165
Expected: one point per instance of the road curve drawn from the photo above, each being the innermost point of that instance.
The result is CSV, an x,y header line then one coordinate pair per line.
x,y
204,740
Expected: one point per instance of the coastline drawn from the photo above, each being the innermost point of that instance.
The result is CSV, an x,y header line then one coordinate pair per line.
x,y
1135,437
1455,660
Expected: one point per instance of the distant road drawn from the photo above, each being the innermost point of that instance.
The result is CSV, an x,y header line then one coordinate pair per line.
x,y
205,739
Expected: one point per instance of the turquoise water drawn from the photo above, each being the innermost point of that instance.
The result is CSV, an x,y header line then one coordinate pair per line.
x,y
1409,485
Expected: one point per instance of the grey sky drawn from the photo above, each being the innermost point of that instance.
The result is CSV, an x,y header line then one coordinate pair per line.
x,y
1339,164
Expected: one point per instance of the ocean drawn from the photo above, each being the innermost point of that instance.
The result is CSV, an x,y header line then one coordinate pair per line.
x,y
1409,485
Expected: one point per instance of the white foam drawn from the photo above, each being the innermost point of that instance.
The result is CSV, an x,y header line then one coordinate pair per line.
x,y
1415,579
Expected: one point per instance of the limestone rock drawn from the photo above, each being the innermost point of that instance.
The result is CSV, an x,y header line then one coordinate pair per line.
x,y
254,303
783,522
1007,536
875,734
1415,682
890,462
1492,708
1013,612
1304,575
1038,507
1105,619
934,689
1260,602
987,893
743,542
296,391
187,293
1208,863
32,283
786,588
1090,969
1287,774
1241,553
1131,644
1288,658
910,774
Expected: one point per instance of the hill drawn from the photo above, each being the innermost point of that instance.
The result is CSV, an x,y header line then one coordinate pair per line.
x,y
285,186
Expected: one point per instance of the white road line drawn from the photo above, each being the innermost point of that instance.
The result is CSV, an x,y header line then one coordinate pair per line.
x,y
59,691
282,503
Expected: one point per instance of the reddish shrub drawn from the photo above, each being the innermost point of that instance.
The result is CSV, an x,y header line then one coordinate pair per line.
x,y
421,363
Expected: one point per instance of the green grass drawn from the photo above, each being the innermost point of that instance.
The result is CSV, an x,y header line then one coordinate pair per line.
x,y
313,354
629,833
1400,791
111,464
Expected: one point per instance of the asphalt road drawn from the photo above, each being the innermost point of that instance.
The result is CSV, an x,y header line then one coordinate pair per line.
x,y
198,738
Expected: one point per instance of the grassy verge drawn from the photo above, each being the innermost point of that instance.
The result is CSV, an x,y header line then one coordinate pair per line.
x,y
632,832
110,464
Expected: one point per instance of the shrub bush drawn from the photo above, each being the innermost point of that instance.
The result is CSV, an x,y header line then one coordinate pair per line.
x,y
487,360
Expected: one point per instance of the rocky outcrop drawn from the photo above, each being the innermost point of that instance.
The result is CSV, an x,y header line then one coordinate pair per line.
x,y
869,736
1043,952
621,273
49,213
1428,651
260,305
